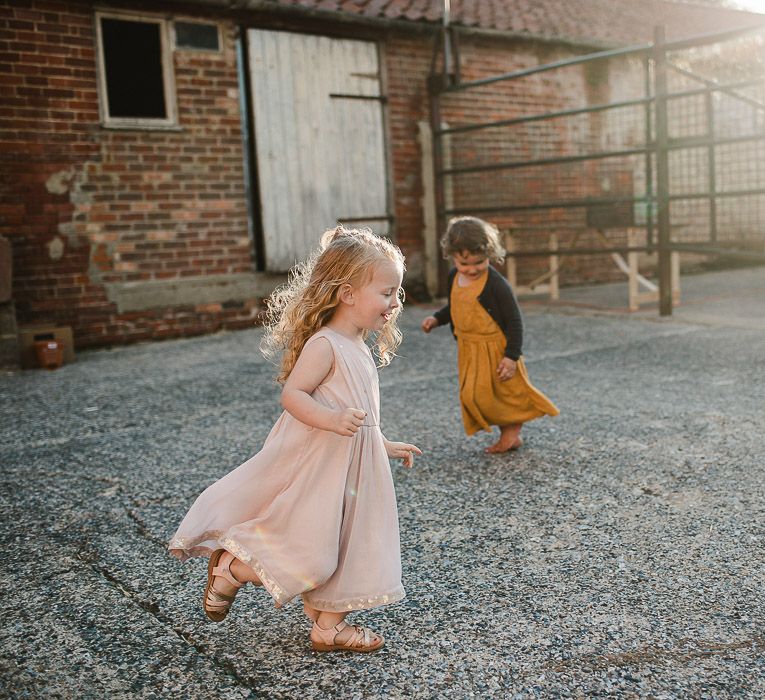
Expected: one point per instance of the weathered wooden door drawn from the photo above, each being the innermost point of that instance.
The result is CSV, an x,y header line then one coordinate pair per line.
x,y
319,139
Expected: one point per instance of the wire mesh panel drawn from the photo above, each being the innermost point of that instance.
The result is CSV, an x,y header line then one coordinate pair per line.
x,y
716,112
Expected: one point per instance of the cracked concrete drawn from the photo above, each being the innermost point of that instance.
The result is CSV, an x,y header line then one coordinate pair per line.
x,y
618,554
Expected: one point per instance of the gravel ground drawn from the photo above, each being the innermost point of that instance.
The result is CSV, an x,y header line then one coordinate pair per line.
x,y
618,554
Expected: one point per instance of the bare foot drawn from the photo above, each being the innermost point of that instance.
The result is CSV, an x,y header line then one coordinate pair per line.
x,y
509,439
502,446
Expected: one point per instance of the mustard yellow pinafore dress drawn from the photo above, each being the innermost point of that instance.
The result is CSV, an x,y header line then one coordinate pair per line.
x,y
485,400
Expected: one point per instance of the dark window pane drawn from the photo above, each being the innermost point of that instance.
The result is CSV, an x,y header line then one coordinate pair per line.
x,y
133,64
193,35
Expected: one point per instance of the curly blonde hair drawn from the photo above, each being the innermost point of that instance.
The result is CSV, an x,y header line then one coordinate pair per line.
x,y
474,235
308,300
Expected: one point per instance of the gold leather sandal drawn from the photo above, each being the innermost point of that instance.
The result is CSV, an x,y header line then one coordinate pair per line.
x,y
216,604
360,642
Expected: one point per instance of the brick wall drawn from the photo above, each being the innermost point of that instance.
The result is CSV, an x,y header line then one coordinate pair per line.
x,y
407,60
89,209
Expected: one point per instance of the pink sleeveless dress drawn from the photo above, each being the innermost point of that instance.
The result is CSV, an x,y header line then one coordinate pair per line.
x,y
313,513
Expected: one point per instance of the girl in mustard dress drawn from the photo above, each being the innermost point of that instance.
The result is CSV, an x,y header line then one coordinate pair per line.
x,y
485,318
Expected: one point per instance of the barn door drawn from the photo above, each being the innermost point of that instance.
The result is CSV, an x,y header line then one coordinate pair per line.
x,y
319,139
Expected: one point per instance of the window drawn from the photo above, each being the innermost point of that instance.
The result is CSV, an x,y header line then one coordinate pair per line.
x,y
135,80
196,36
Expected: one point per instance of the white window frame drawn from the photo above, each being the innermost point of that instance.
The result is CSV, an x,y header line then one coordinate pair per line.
x,y
168,76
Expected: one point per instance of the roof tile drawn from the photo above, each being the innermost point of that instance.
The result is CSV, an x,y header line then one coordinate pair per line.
x,y
609,22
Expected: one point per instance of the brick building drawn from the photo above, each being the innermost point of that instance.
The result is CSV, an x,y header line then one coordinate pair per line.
x,y
162,192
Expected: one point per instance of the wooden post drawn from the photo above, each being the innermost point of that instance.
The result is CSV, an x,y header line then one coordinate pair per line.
x,y
632,275
554,288
676,278
435,86
547,283
430,225
510,269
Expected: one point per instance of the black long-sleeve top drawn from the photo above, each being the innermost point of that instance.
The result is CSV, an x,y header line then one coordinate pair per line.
x,y
499,301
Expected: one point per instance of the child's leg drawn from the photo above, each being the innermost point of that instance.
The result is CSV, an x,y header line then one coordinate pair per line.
x,y
509,439
244,573
225,576
324,618
329,619
239,570
330,633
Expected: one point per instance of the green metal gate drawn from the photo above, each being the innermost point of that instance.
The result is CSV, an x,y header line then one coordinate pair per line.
x,y
655,148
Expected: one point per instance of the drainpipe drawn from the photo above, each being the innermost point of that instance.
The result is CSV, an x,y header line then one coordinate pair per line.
x,y
446,18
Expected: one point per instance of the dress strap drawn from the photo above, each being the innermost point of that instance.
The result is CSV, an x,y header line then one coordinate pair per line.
x,y
321,333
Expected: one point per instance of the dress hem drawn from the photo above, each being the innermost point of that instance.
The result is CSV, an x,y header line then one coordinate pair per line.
x,y
359,603
184,549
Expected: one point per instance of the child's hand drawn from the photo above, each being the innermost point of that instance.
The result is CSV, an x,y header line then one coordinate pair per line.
x,y
348,421
429,323
402,450
506,369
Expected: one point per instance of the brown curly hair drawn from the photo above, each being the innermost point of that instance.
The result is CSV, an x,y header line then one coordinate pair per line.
x,y
308,300
474,235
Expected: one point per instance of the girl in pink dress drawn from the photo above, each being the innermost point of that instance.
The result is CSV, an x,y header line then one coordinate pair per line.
x,y
314,512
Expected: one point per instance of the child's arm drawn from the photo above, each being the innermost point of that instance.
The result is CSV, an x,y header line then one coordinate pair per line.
x,y
512,327
429,323
506,369
508,315
310,370
443,316
500,302
402,450
440,318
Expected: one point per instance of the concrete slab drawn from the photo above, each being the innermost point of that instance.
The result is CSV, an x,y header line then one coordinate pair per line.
x,y
618,554
201,289
731,298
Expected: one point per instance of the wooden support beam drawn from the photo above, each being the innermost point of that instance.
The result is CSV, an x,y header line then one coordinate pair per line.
x,y
540,285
